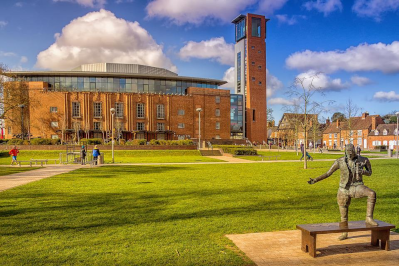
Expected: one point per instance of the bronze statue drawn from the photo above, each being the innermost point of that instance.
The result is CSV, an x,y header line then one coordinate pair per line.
x,y
351,185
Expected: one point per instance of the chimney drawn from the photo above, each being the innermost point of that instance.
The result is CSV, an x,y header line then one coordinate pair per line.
x,y
328,121
364,115
337,123
373,123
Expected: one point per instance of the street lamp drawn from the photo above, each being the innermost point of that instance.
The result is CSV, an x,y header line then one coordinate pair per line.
x,y
397,131
112,110
22,119
199,110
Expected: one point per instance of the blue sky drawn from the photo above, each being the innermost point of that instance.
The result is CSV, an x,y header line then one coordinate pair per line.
x,y
353,44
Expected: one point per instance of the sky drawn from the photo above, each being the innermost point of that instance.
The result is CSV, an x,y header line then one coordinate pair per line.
x,y
352,45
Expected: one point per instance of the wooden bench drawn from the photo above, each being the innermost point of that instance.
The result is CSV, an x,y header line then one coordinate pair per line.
x,y
41,161
19,163
381,232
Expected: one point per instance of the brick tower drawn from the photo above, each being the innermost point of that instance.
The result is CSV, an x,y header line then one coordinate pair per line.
x,y
250,73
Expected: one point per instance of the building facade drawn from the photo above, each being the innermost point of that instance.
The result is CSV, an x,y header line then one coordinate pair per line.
x,y
250,74
148,103
384,135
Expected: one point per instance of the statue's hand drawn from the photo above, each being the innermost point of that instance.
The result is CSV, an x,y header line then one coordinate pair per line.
x,y
311,181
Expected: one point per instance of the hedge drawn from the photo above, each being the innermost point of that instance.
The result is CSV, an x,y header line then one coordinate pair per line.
x,y
40,141
94,141
237,150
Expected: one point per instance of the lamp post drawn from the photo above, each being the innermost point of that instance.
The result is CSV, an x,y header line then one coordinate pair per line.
x,y
397,131
112,110
199,110
22,119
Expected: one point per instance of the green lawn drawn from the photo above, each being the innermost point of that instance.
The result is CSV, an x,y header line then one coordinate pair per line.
x,y
14,169
172,215
129,156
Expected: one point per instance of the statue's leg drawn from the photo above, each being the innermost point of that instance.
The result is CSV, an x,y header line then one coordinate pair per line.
x,y
363,191
344,201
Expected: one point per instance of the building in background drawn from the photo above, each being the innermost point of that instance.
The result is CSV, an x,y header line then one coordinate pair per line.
x,y
250,74
150,103
383,135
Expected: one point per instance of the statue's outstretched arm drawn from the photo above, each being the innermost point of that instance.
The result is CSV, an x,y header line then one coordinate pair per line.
x,y
333,168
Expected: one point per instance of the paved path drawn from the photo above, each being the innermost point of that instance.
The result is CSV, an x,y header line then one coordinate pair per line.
x,y
18,179
283,248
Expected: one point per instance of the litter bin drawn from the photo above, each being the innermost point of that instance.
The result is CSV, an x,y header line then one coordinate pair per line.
x,y
390,152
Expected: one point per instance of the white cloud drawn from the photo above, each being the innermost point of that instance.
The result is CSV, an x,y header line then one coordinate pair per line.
x,y
23,59
383,96
6,54
321,81
364,57
284,19
123,1
86,3
324,6
360,81
3,24
374,8
229,77
282,101
19,4
215,48
102,37
199,11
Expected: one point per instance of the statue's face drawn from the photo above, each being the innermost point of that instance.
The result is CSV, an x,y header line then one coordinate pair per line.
x,y
350,151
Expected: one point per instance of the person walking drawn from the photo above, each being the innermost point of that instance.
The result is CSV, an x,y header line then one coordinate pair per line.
x,y
14,153
358,150
96,153
83,155
307,154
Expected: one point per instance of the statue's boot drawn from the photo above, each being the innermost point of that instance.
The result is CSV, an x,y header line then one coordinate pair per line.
x,y
370,211
344,219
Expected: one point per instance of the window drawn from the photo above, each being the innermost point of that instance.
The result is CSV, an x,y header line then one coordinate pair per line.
x,y
330,135
9,130
359,132
119,110
253,63
252,47
160,111
395,132
75,109
54,137
359,141
180,112
217,125
217,112
54,124
239,72
253,78
97,125
256,27
140,126
385,132
217,137
217,99
240,29
53,109
329,143
97,109
259,51
140,110
253,115
161,126
335,135
260,82
376,133
180,125
259,67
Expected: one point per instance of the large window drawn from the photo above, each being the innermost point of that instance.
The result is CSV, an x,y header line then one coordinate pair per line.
x,y
53,109
119,110
180,125
75,109
256,27
217,125
140,110
160,111
54,124
238,72
217,99
217,112
180,112
97,125
161,126
98,109
140,126
240,30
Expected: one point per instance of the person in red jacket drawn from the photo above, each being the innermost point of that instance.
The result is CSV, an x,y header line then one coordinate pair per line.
x,y
14,152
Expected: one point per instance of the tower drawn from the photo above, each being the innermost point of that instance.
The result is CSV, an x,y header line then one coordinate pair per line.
x,y
250,73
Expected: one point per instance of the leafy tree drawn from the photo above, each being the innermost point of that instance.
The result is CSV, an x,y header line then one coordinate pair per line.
x,y
337,116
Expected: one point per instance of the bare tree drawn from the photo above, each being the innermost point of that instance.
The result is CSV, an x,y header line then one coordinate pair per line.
x,y
303,92
351,110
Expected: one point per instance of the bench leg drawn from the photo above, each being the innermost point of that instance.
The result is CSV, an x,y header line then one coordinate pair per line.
x,y
380,235
309,243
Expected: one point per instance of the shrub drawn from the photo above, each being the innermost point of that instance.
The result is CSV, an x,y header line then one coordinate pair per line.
x,y
40,141
136,142
94,141
15,142
243,151
3,141
154,142
382,147
185,142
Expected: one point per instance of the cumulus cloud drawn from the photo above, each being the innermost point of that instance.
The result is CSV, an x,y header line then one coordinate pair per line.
x,y
102,37
374,8
360,81
229,77
324,6
282,101
3,24
322,82
86,3
383,96
197,12
284,19
215,48
364,57
6,54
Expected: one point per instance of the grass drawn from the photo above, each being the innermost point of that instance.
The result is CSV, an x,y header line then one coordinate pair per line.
x,y
128,156
172,215
13,170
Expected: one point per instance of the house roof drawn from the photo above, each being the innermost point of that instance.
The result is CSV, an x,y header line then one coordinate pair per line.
x,y
357,123
288,119
390,128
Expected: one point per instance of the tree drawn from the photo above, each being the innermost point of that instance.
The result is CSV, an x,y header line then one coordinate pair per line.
x,y
302,93
351,110
269,113
338,116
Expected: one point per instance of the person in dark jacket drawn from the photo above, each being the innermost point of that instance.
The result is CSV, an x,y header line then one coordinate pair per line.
x,y
96,153
307,154
83,155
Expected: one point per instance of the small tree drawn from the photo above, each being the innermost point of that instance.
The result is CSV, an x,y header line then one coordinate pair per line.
x,y
351,110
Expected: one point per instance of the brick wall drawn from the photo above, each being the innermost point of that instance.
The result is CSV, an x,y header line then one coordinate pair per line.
x,y
101,147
